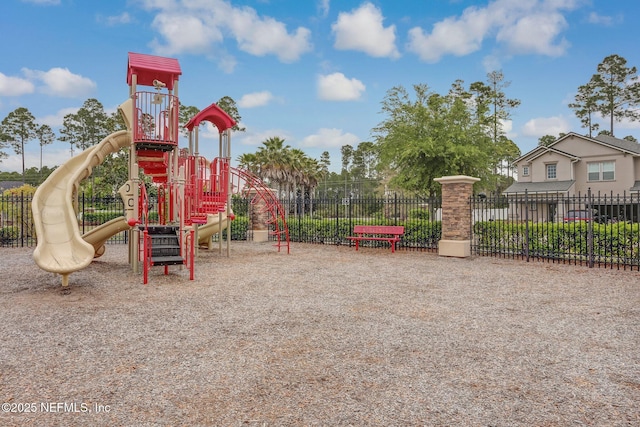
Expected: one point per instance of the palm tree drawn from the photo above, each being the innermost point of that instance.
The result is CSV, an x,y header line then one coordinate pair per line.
x,y
314,171
249,161
272,157
291,170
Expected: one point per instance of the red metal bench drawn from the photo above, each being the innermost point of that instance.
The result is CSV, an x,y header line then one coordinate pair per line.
x,y
389,233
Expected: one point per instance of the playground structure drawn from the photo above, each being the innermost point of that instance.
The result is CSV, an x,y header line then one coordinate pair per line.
x,y
194,194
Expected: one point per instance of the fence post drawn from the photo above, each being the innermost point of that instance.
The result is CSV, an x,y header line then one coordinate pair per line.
x,y
337,232
396,214
456,215
22,219
590,230
83,211
526,224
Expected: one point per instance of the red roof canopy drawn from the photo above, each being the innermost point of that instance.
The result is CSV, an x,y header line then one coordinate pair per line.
x,y
148,68
213,114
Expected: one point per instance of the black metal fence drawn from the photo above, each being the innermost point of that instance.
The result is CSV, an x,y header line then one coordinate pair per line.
x,y
596,230
331,220
321,221
16,221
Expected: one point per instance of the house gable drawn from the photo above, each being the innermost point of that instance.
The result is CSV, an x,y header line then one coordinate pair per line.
x,y
601,164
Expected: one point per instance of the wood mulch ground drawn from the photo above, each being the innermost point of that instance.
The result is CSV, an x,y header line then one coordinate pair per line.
x,y
324,336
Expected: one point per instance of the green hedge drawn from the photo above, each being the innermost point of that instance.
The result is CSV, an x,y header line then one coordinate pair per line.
x,y
239,227
9,234
619,240
418,232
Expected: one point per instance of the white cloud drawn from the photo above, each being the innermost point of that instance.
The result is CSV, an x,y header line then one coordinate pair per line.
x,y
184,34
255,99
253,138
266,36
597,19
50,157
326,138
56,120
535,34
522,27
623,124
61,82
507,127
123,18
200,26
363,30
546,126
14,86
226,62
337,87
451,36
323,7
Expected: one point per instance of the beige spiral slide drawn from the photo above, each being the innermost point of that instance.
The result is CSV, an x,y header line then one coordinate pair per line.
x,y
61,248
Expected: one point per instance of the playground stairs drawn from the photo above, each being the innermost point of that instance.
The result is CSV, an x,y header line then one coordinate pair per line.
x,y
153,163
165,245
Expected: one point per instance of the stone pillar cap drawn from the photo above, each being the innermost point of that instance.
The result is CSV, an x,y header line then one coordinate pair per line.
x,y
456,179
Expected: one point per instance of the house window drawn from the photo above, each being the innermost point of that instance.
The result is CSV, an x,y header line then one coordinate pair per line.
x,y
601,171
525,171
552,171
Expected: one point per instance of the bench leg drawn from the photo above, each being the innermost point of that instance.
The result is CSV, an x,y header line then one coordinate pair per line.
x,y
357,241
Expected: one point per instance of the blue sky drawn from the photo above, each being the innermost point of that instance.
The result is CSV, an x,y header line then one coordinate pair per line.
x,y
313,72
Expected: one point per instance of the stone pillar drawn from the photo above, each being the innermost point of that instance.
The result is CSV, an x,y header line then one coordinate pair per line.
x,y
258,217
456,215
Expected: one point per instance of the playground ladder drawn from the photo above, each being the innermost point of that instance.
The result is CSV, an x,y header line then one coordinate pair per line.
x,y
161,246
244,181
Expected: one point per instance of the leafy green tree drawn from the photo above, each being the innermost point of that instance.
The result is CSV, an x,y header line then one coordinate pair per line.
x,y
359,168
229,106
428,136
325,161
18,128
115,173
585,105
4,142
546,140
115,122
617,90
87,127
45,136
10,176
501,106
187,112
347,156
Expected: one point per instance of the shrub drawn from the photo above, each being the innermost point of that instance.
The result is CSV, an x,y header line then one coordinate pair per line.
x,y
100,217
8,235
419,213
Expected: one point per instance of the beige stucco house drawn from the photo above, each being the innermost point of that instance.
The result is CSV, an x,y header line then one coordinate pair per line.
x,y
578,172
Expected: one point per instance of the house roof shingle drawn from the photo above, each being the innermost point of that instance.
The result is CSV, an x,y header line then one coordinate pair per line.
x,y
622,144
8,185
539,187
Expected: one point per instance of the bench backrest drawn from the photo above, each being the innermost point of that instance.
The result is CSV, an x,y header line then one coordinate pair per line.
x,y
379,229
